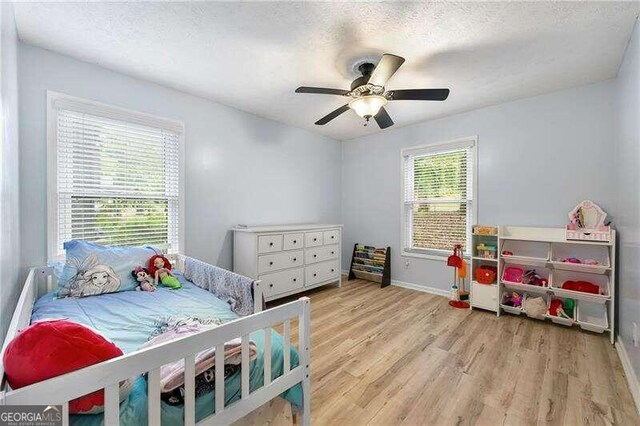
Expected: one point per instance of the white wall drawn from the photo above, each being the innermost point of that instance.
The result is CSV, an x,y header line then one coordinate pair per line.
x,y
538,158
628,191
9,189
239,168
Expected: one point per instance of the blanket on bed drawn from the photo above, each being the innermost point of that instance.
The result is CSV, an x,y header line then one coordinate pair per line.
x,y
172,375
229,287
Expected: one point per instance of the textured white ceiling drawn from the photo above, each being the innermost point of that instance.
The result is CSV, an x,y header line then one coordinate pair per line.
x,y
253,55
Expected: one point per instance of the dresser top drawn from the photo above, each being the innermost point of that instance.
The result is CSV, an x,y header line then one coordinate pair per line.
x,y
286,228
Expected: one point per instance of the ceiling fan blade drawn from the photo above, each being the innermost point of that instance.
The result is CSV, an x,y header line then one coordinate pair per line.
x,y
321,91
418,95
333,114
387,66
383,119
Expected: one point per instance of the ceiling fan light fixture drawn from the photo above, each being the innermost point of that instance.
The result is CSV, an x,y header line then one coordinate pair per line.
x,y
368,106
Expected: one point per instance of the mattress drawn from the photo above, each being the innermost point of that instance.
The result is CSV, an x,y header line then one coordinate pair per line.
x,y
129,318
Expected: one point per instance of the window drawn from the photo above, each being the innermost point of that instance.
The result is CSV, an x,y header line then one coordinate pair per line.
x,y
438,197
114,176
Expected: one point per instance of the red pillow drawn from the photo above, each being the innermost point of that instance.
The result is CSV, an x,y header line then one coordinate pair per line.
x,y
51,348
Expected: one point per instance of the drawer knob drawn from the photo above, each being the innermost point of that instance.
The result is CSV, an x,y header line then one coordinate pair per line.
x,y
271,244
270,263
332,270
332,237
332,252
315,239
271,285
315,255
315,275
295,241
295,279
295,259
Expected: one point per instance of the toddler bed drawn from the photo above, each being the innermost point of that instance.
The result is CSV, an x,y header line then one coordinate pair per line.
x,y
131,318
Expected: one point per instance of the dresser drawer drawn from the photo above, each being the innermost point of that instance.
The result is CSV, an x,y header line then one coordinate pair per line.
x,y
331,237
484,296
293,241
277,261
282,282
320,272
320,254
312,239
269,243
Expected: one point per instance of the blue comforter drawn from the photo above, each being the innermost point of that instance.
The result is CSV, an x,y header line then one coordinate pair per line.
x,y
128,318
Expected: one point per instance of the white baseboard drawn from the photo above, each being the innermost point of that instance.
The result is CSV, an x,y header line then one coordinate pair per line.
x,y
422,288
632,378
417,287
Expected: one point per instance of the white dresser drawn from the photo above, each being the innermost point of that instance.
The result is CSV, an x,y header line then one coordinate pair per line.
x,y
288,259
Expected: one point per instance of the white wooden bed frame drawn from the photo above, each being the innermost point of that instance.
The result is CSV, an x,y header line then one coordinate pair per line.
x,y
107,375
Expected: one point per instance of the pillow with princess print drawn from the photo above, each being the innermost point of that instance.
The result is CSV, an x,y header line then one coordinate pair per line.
x,y
91,269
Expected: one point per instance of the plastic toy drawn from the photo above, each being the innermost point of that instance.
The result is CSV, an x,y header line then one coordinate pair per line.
x,y
458,295
486,274
572,260
507,253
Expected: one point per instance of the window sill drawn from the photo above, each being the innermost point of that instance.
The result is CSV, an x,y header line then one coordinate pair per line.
x,y
429,256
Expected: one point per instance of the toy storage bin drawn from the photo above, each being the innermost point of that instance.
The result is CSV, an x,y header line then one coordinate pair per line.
x,y
561,251
561,320
545,297
510,309
593,316
602,281
525,251
508,280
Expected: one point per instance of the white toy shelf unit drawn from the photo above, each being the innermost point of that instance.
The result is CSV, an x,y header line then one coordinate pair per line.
x,y
563,261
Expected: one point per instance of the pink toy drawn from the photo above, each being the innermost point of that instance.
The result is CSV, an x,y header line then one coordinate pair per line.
x,y
572,260
515,300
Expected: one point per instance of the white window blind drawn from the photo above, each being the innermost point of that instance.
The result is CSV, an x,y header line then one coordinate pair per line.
x,y
117,181
438,203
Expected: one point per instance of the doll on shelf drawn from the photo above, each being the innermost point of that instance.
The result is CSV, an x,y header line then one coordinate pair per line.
x,y
160,270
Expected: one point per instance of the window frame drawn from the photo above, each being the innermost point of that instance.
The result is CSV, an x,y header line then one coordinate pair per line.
x,y
55,101
435,254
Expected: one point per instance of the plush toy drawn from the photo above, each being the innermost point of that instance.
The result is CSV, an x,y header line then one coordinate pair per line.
x,y
143,278
557,309
160,270
583,286
535,306
531,277
515,300
51,348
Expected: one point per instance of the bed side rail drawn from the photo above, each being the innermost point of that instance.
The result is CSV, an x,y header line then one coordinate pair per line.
x,y
178,259
107,375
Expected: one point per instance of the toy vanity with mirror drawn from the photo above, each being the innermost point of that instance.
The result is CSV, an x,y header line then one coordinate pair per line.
x,y
587,222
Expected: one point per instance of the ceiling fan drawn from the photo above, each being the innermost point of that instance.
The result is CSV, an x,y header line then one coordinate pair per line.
x,y
369,95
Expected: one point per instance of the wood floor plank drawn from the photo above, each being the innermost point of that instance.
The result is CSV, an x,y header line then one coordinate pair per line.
x,y
396,356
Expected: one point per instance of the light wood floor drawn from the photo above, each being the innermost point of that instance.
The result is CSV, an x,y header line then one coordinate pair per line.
x,y
396,356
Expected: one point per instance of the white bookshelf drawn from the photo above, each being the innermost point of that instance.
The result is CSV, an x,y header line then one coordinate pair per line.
x,y
543,249
485,296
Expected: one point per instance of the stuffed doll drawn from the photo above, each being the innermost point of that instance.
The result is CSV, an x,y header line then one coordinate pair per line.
x,y
160,270
515,300
143,278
